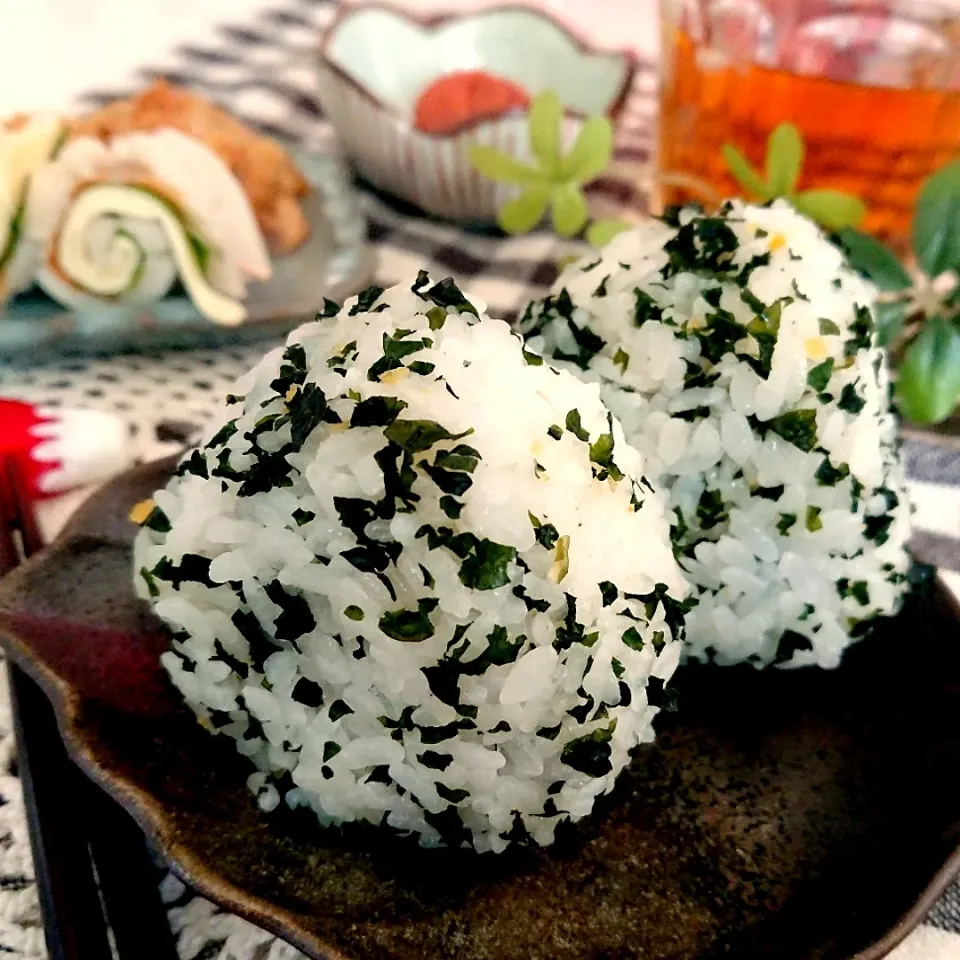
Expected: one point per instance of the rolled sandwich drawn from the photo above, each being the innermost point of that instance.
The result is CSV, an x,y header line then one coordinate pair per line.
x,y
26,143
271,180
121,221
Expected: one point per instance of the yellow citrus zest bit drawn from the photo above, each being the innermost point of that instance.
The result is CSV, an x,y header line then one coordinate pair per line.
x,y
140,511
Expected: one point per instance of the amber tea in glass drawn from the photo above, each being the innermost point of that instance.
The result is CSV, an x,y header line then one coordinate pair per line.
x,y
873,87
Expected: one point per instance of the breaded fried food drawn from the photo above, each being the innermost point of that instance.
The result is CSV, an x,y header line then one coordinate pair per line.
x,y
269,177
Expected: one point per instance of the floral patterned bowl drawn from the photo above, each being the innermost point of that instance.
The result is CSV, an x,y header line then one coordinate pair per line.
x,y
409,96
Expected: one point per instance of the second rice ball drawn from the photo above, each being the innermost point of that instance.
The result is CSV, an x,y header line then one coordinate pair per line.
x,y
738,352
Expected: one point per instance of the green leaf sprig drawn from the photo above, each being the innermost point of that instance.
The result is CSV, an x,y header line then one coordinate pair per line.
x,y
918,315
832,209
555,180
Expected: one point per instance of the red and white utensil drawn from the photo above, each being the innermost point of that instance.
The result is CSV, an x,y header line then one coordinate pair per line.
x,y
58,450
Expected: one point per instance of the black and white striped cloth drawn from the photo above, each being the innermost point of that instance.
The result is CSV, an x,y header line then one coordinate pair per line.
x,y
263,71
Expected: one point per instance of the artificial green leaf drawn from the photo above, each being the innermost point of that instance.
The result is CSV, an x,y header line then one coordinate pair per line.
x,y
525,211
744,173
936,221
784,159
832,209
889,319
873,259
568,208
928,383
546,118
591,151
601,232
497,165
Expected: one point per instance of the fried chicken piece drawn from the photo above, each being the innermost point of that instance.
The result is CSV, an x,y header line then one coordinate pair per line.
x,y
269,177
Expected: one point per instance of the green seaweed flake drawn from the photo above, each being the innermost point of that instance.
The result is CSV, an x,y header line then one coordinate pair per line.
x,y
601,454
451,507
422,368
673,610
631,638
416,436
395,348
452,482
192,568
308,409
532,359
720,334
366,300
296,617
789,644
451,794
339,709
547,535
764,330
858,589
588,346
827,475
293,370
786,523
711,510
608,592
410,626
645,308
703,244
195,464
877,529
377,412
348,353
307,692
485,563
575,427
798,427
590,754
445,293
862,331
828,328
819,376
260,644
222,435
850,401
488,567
461,457
157,521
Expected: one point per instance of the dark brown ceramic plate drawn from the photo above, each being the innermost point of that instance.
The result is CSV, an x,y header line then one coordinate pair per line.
x,y
780,815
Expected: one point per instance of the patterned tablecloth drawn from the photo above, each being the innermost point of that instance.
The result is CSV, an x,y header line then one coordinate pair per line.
x,y
262,70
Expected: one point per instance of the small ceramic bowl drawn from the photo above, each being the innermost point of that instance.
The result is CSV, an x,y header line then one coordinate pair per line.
x,y
376,63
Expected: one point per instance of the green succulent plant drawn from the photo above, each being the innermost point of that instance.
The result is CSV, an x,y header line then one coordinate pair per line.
x,y
555,180
918,310
832,209
918,313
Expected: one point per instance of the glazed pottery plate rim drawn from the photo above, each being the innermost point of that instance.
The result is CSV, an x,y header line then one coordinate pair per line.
x,y
429,25
205,877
